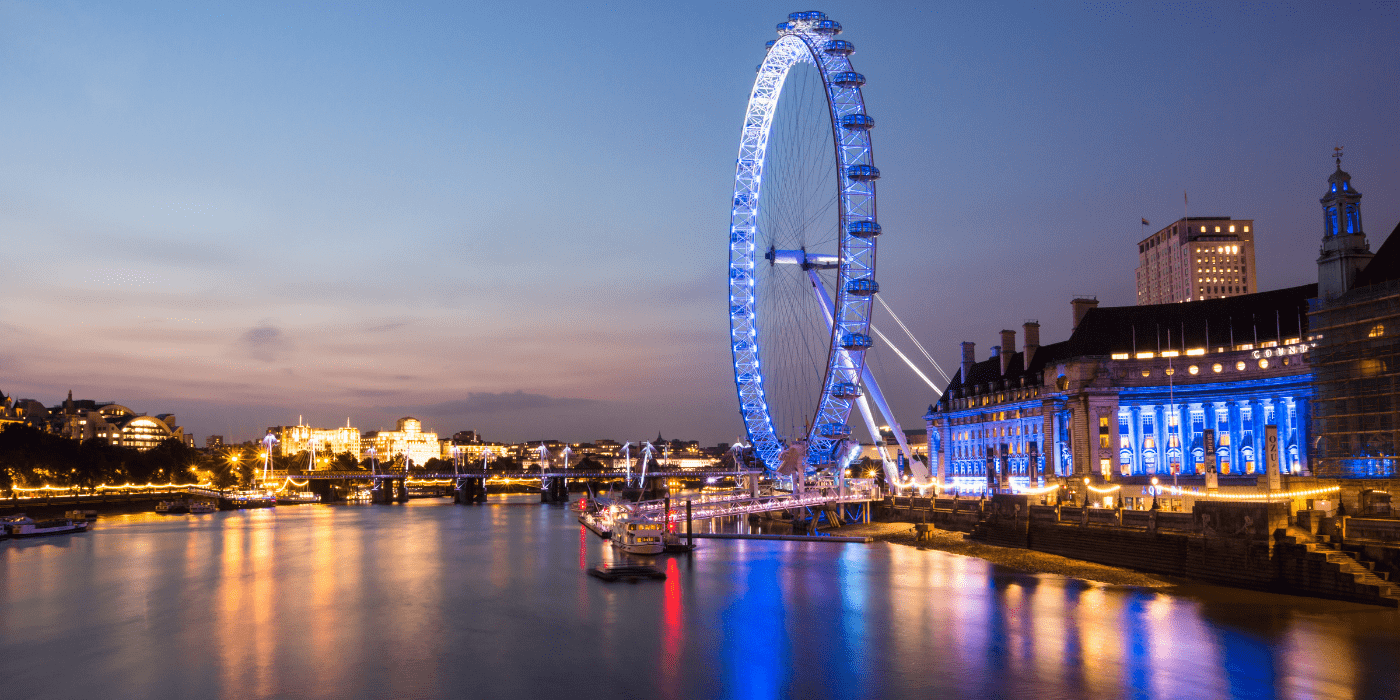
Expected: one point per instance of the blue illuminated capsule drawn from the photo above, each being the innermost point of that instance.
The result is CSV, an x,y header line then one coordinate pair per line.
x,y
827,27
834,430
856,341
785,27
863,229
808,15
858,122
848,79
739,311
863,287
769,44
845,390
839,47
863,173
742,346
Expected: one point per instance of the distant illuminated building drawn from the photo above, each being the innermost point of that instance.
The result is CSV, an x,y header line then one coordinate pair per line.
x,y
409,439
296,439
118,425
1201,257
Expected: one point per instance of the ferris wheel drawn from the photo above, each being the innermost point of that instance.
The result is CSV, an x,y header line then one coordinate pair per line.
x,y
802,246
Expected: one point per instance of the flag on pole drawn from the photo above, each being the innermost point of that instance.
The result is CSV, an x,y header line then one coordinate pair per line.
x,y
1145,223
1184,199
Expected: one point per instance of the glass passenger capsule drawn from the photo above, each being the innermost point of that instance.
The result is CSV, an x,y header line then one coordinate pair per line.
x,y
845,390
856,341
833,430
808,15
827,27
848,79
839,47
863,287
863,173
786,27
863,229
769,44
858,121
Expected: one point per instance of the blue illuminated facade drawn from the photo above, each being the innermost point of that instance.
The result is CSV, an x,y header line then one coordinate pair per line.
x,y
1102,404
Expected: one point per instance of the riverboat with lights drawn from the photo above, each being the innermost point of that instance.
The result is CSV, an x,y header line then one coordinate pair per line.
x,y
173,507
297,497
198,507
29,527
597,520
636,534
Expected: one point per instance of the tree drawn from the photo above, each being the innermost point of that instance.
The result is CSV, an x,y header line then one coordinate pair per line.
x,y
346,462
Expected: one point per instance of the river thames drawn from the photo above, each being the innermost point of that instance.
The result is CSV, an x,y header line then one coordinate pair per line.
x,y
430,600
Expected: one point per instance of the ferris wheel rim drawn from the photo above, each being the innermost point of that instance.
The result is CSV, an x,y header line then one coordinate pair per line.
x,y
807,37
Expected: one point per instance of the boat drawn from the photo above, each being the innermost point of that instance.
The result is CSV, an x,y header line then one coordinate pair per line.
x,y
598,522
29,527
636,534
88,515
172,507
626,572
197,507
298,497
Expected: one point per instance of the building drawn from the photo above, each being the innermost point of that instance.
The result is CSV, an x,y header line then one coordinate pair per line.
x,y
1356,322
299,438
1200,257
408,439
1134,392
213,442
84,419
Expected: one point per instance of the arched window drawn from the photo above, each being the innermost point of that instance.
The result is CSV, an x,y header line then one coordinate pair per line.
x,y
1353,219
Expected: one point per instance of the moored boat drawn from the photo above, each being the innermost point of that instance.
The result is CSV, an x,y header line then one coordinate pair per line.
x,y
88,515
177,507
29,527
636,534
197,507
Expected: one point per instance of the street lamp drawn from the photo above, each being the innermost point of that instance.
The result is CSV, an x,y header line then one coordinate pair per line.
x,y
1155,506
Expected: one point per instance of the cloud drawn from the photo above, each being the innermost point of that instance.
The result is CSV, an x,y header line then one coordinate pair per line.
x,y
488,402
264,341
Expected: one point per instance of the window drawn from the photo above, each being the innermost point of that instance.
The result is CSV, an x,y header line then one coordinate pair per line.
x,y
1232,229
1103,432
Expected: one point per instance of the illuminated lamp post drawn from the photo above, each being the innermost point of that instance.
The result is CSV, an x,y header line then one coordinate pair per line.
x,y
1155,506
1086,492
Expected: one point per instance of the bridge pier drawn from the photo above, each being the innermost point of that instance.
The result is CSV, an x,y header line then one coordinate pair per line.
x,y
391,491
470,490
327,490
554,490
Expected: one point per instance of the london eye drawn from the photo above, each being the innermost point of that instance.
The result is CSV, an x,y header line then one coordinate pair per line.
x,y
802,241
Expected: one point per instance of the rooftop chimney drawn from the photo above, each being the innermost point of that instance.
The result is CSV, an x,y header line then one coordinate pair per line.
x,y
1081,306
969,356
1031,329
1008,345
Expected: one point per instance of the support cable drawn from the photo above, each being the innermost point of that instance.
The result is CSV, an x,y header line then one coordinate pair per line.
x,y
907,332
907,361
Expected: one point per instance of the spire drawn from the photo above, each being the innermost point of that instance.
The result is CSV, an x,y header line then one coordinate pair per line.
x,y
1345,251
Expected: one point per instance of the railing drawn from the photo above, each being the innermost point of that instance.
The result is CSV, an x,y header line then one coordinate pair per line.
x,y
743,505
1373,529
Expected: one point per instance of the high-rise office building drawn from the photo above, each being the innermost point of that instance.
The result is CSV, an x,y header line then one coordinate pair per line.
x,y
1200,257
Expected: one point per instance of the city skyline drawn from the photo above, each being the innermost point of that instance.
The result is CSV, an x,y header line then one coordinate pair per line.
x,y
247,214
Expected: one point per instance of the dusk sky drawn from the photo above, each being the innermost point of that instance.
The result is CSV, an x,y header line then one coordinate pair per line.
x,y
511,217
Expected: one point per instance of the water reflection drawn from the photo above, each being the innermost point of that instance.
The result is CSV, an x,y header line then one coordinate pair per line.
x,y
429,599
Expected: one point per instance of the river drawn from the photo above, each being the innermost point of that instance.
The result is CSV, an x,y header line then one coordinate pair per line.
x,y
429,600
